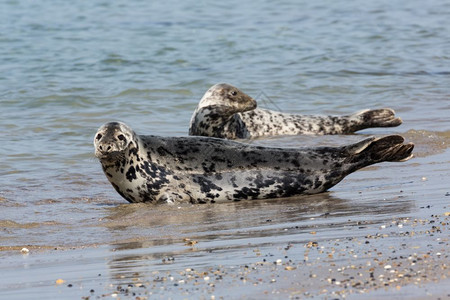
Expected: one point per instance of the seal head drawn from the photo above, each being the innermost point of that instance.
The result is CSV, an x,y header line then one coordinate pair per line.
x,y
112,139
232,99
216,114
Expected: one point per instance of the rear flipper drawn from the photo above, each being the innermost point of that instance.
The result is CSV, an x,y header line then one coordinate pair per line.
x,y
375,150
369,118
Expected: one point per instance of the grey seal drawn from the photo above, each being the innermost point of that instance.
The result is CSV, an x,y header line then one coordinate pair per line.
x,y
227,112
147,168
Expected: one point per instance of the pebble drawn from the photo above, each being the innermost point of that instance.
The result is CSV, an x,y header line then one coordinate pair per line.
x,y
341,267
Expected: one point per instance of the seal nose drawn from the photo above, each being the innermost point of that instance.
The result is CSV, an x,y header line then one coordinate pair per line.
x,y
104,148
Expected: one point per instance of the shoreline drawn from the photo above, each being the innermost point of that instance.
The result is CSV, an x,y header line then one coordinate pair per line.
x,y
400,258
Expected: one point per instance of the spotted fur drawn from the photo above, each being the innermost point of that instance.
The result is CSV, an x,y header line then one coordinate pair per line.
x,y
220,115
208,170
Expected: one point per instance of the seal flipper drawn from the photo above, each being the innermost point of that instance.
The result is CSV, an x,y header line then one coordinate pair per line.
x,y
374,150
370,118
173,196
166,198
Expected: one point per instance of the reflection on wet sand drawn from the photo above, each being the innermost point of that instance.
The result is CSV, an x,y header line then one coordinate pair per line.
x,y
148,238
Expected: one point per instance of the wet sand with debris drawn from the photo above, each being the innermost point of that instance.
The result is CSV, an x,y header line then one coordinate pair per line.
x,y
382,232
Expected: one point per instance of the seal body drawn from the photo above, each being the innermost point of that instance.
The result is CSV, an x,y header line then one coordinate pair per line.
x,y
207,170
217,116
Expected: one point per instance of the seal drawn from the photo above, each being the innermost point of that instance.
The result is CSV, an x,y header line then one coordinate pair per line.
x,y
227,112
147,168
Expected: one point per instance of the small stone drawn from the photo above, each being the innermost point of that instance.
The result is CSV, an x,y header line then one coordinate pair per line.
x,y
60,281
25,251
190,242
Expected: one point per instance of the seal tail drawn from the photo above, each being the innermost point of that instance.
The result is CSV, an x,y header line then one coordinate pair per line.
x,y
384,117
374,150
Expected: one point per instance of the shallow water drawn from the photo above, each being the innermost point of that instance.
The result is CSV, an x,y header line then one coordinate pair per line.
x,y
66,68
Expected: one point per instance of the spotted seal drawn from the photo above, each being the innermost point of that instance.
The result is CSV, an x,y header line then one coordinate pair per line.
x,y
147,168
227,112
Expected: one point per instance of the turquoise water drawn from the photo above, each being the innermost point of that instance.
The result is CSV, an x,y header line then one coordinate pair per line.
x,y
68,67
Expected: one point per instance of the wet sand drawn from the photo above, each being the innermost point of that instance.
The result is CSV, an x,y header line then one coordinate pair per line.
x,y
382,232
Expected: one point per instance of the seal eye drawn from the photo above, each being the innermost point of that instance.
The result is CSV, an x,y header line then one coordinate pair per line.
x,y
99,136
233,93
121,137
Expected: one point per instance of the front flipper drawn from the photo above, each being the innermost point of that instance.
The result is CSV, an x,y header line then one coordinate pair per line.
x,y
173,197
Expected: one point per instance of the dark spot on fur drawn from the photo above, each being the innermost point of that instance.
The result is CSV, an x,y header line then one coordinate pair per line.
x,y
131,174
206,185
209,168
246,193
295,163
163,151
129,198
